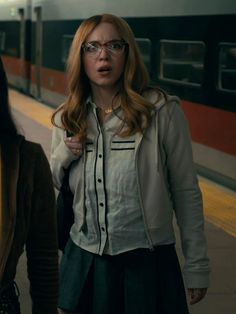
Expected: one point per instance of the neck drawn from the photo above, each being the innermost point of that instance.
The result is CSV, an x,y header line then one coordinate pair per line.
x,y
104,98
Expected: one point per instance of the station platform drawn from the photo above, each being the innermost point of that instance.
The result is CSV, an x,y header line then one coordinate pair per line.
x,y
33,119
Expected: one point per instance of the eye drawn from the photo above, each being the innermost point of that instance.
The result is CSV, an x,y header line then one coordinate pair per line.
x,y
90,47
115,45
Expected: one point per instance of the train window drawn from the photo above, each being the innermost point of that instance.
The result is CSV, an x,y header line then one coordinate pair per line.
x,y
145,47
227,67
2,41
182,61
66,43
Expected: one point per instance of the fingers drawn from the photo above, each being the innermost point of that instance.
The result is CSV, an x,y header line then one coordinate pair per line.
x,y
74,144
77,151
196,294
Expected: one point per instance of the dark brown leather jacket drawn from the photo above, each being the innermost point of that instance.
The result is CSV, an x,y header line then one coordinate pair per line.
x,y
32,220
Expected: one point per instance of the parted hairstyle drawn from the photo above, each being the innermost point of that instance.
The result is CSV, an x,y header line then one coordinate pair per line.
x,y
7,125
134,82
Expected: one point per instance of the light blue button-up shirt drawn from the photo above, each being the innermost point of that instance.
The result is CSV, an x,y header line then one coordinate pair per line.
x,y
113,218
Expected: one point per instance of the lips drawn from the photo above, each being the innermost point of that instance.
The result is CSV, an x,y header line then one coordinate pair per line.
x,y
104,69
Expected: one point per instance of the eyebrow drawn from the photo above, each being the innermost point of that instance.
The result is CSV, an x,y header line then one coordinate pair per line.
x,y
97,41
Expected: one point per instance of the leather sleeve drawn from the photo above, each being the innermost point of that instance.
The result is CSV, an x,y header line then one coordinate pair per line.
x,y
42,244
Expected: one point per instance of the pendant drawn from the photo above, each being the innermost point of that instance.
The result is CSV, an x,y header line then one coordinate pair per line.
x,y
108,110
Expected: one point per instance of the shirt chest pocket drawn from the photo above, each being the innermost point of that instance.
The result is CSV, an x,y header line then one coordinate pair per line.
x,y
123,156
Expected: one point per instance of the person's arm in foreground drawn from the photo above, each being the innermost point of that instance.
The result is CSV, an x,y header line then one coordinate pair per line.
x,y
42,245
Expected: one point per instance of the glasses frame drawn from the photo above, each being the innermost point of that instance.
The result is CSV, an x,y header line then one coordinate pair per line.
x,y
99,47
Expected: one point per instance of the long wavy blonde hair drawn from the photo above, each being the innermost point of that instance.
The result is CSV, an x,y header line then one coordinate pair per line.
x,y
135,81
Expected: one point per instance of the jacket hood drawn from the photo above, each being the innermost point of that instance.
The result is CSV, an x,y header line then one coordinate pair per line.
x,y
159,101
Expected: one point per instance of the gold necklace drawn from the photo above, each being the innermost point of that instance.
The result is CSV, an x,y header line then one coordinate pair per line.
x,y
106,110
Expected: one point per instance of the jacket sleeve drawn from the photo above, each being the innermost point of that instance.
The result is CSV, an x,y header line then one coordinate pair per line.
x,y
42,244
186,198
61,156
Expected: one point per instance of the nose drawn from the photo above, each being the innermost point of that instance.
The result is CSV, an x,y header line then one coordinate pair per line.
x,y
104,53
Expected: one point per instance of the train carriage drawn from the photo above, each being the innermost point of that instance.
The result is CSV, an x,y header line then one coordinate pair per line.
x,y
188,46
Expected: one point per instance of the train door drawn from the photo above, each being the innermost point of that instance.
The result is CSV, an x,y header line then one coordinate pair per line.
x,y
38,51
24,66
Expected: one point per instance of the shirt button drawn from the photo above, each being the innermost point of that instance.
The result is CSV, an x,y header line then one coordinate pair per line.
x,y
101,204
99,180
100,155
103,229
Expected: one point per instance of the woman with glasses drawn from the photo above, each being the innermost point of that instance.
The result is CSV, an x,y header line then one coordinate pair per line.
x,y
27,216
130,169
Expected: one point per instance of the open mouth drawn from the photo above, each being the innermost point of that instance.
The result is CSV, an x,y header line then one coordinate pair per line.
x,y
104,69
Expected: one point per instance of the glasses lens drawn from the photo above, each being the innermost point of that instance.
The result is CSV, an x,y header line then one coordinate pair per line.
x,y
115,46
91,48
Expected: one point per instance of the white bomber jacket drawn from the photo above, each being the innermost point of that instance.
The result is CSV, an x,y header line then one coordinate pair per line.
x,y
167,184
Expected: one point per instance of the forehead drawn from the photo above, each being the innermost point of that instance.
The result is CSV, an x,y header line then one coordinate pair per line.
x,y
104,32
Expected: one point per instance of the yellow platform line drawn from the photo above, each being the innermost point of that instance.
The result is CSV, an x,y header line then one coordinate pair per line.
x,y
31,108
219,204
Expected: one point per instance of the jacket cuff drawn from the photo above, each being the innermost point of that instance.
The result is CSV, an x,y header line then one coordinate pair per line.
x,y
197,280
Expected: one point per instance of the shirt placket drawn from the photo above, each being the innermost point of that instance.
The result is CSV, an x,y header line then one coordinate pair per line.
x,y
101,192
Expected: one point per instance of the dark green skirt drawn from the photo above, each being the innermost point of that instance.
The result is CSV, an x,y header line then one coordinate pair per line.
x,y
135,282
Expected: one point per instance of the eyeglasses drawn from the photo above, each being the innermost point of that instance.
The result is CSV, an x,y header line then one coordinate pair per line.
x,y
114,47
